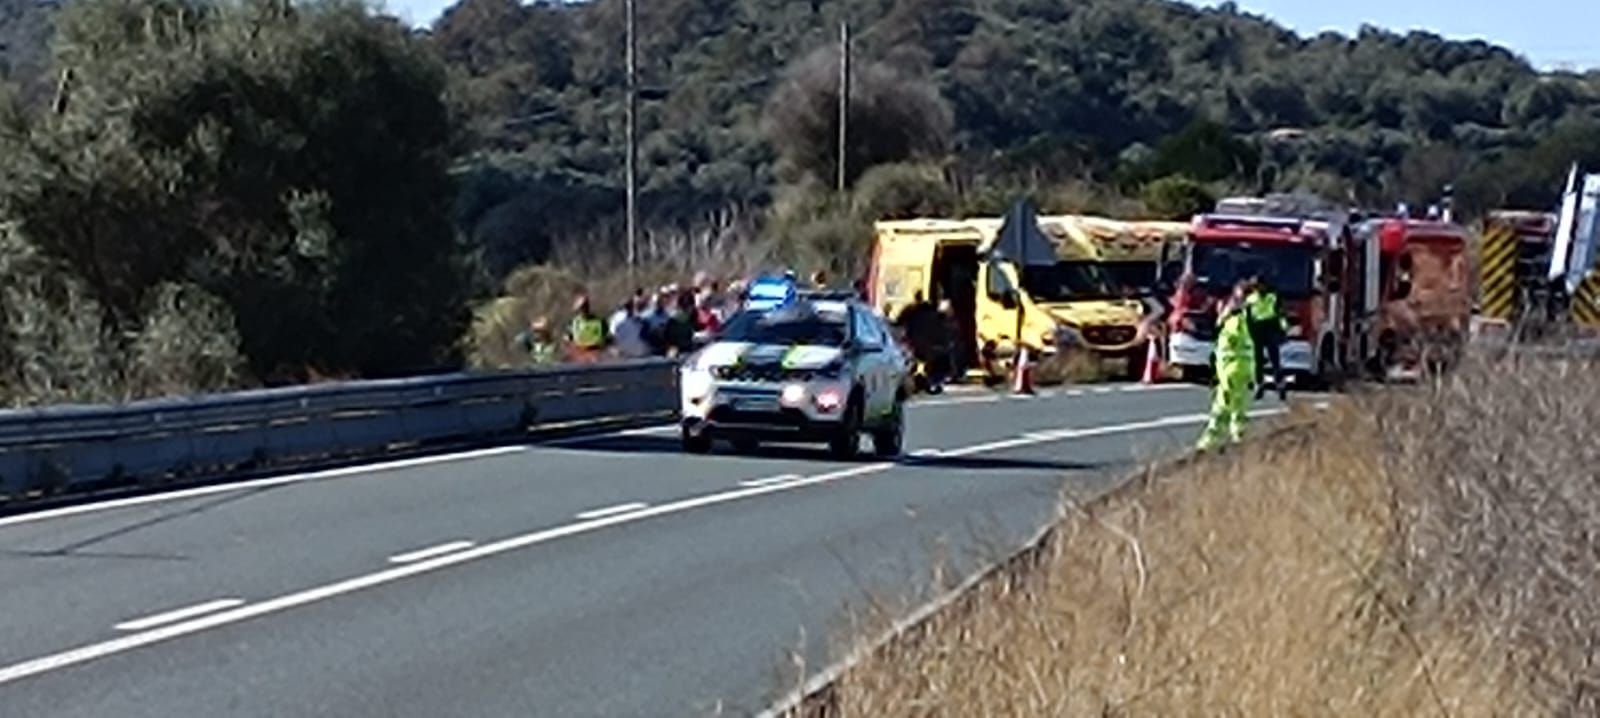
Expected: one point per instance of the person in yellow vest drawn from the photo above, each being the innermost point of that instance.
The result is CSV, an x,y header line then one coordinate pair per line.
x,y
539,343
1235,361
587,333
1267,329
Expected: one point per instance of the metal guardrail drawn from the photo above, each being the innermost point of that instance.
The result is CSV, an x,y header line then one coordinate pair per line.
x,y
51,449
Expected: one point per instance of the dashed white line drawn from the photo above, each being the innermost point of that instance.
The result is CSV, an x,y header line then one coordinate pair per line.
x,y
167,632
430,552
611,510
179,614
768,481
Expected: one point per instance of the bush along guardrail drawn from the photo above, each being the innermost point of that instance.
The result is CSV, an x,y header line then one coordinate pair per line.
x,y
70,449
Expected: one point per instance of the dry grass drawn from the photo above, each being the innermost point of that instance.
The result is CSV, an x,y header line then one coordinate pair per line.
x,y
1430,551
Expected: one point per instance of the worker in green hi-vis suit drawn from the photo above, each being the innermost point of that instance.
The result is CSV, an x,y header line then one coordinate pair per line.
x,y
1235,362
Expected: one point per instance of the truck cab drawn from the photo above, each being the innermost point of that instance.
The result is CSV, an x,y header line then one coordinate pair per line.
x,y
1302,259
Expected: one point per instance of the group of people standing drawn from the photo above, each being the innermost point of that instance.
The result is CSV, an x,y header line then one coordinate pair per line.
x,y
671,321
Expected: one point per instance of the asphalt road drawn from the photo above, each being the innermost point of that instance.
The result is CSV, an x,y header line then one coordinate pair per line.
x,y
606,576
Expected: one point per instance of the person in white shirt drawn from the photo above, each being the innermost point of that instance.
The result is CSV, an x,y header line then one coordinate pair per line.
x,y
628,335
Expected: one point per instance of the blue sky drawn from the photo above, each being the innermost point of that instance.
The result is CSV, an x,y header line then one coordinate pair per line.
x,y
1551,33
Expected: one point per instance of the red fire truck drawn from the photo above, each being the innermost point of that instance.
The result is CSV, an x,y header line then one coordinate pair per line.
x,y
1302,258
1415,296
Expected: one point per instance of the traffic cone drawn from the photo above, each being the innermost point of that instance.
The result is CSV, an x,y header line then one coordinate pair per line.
x,y
1023,381
1152,364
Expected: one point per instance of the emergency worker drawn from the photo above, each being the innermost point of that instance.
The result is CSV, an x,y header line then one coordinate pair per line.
x,y
539,343
587,333
1236,369
1267,330
923,328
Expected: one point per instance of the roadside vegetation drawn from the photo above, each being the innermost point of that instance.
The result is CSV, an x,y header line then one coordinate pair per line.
x,y
1410,553
289,192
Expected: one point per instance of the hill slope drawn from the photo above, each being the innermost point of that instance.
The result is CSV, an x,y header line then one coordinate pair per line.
x,y
1081,89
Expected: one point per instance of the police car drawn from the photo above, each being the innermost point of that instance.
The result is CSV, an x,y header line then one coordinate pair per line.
x,y
806,368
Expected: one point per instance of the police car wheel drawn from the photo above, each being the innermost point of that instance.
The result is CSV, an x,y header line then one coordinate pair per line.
x,y
696,443
847,442
889,441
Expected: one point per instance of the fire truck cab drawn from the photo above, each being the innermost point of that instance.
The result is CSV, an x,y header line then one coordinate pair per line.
x,y
1303,259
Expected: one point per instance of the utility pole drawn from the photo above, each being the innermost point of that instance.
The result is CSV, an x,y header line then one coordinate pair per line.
x,y
633,135
844,99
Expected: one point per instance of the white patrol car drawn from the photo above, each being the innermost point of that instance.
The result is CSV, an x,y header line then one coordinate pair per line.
x,y
816,369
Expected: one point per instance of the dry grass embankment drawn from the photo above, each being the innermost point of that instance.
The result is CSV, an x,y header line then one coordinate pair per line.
x,y
1421,552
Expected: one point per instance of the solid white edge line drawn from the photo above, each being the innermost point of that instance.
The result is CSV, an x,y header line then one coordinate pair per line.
x,y
611,510
82,654
178,614
199,491
430,552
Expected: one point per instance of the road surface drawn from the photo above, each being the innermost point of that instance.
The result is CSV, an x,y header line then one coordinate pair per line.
x,y
605,576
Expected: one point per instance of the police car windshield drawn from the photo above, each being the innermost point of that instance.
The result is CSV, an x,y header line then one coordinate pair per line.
x,y
788,326
1286,268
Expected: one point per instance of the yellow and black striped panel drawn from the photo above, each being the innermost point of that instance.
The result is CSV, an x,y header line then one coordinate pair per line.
x,y
1586,301
1498,271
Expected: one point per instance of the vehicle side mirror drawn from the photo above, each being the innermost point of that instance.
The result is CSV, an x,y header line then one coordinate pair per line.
x,y
1010,300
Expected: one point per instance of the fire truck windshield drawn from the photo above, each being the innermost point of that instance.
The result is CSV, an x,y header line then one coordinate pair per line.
x,y
1287,268
1066,281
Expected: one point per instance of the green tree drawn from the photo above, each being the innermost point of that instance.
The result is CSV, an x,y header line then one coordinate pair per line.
x,y
288,159
892,118
902,191
1177,198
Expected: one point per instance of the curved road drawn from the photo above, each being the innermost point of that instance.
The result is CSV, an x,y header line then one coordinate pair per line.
x,y
607,575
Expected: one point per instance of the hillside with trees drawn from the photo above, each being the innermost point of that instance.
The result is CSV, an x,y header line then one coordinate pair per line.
x,y
199,194
1113,94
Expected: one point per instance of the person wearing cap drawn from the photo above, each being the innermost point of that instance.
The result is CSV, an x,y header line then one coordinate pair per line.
x,y
1235,361
587,333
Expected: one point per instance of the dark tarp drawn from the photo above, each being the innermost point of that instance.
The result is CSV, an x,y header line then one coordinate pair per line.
x,y
1022,241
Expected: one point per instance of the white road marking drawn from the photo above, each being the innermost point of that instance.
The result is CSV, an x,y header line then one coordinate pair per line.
x,y
987,399
1103,390
926,454
179,614
611,510
83,654
781,478
257,484
1135,388
430,552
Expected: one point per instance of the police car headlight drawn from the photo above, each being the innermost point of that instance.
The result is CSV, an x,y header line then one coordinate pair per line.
x,y
697,384
793,395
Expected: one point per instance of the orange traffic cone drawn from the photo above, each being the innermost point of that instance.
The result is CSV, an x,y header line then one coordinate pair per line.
x,y
1152,364
1023,380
